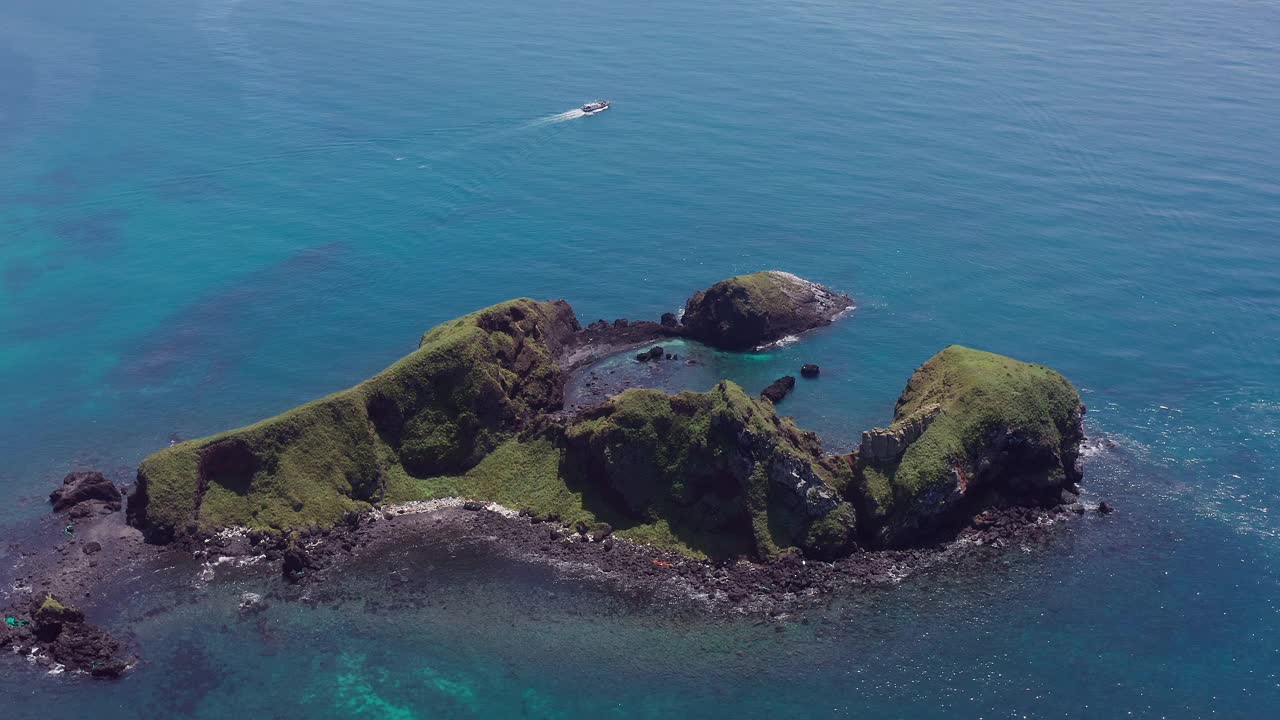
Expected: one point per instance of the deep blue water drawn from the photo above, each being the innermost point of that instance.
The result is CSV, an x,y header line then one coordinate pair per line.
x,y
213,210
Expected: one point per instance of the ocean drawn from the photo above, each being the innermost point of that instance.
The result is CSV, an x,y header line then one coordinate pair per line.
x,y
214,210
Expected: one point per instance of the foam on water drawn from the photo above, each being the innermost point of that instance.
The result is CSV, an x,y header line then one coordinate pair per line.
x,y
565,116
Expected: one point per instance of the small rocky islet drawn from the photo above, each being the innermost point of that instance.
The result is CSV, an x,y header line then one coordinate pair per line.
x,y
978,443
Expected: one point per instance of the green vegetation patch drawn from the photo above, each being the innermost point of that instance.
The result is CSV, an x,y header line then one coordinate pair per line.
x,y
437,411
700,466
764,292
519,474
688,472
978,392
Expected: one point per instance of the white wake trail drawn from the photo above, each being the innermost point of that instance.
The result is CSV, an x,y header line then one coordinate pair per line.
x,y
566,116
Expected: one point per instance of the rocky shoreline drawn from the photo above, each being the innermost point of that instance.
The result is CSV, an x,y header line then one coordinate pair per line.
x,y
60,569
710,500
63,568
737,587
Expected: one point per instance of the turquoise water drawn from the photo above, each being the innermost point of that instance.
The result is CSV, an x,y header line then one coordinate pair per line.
x,y
215,210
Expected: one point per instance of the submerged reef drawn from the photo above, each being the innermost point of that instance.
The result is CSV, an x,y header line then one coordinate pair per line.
x,y
477,412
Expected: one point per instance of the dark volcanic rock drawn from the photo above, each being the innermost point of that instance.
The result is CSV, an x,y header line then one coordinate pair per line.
x,y
751,310
602,338
62,632
88,648
296,560
91,547
669,320
50,616
778,389
79,487
653,353
809,370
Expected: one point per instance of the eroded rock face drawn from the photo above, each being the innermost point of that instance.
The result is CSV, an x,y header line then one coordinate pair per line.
x,y
78,487
802,488
884,445
747,311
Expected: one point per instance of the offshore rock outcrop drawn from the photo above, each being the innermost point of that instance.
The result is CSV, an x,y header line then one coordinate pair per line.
x,y
748,311
53,633
972,431
778,390
86,487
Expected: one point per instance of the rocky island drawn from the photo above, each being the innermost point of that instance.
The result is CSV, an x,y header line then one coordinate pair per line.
x,y
474,419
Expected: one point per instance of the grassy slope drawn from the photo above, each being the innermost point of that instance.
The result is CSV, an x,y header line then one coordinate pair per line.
x,y
977,391
525,475
310,465
662,448
677,443
522,475
764,293
670,441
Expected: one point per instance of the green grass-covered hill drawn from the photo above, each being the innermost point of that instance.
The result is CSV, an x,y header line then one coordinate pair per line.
x,y
471,413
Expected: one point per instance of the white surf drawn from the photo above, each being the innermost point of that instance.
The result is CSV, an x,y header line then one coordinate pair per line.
x,y
565,116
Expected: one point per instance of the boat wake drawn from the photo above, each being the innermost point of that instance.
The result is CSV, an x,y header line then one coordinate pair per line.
x,y
566,116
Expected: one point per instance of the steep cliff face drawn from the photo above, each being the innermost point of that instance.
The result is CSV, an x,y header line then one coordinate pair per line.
x,y
471,384
721,468
971,430
886,445
751,310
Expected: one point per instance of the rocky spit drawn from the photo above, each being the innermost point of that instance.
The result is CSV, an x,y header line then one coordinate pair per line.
x,y
735,588
72,560
61,567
